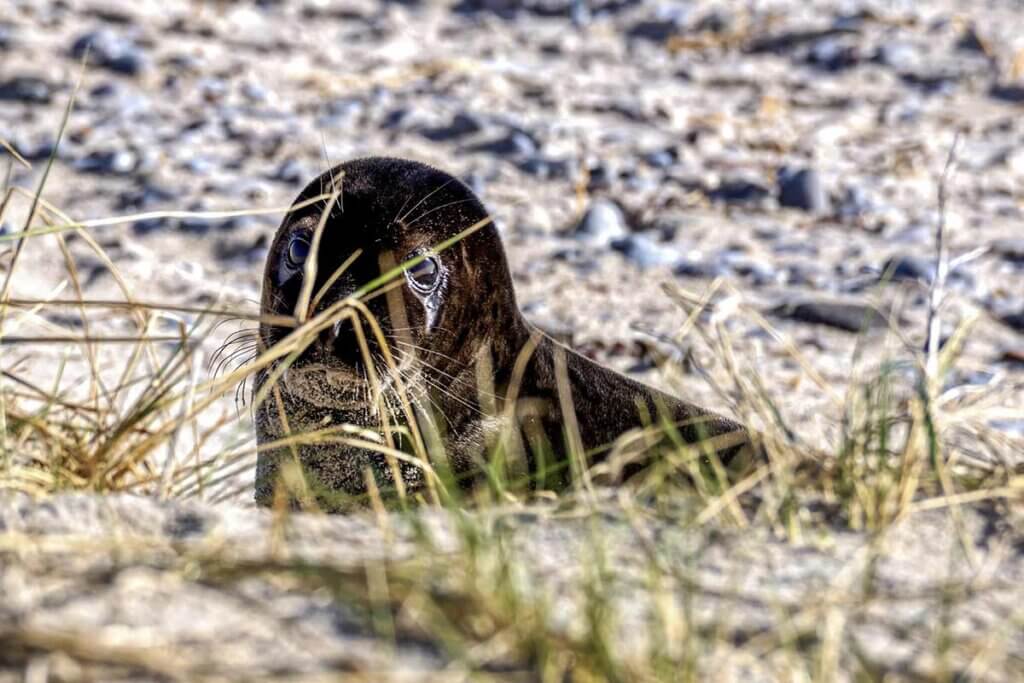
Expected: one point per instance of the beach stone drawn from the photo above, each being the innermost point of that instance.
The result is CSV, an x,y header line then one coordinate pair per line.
x,y
847,316
898,55
1011,249
834,54
291,172
739,191
1013,94
802,189
28,89
1015,320
908,267
112,162
110,51
697,268
644,251
546,168
602,223
514,144
462,125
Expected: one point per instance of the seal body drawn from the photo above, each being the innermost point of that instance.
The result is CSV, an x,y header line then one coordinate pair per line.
x,y
436,359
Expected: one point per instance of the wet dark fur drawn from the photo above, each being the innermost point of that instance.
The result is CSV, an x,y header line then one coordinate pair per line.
x,y
397,206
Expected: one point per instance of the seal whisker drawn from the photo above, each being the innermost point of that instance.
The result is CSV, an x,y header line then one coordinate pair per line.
x,y
425,198
437,208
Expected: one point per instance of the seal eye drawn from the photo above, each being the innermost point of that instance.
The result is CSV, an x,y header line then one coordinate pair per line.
x,y
298,251
424,275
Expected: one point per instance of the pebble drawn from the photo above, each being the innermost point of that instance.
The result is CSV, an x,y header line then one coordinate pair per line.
x,y
664,158
900,56
1015,320
146,197
291,172
834,54
1014,94
514,144
1011,249
847,316
146,226
115,162
110,51
739,192
699,268
971,41
602,223
462,125
644,251
26,89
802,189
545,168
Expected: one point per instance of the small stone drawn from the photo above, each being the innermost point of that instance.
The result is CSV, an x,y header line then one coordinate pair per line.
x,y
1014,320
897,55
545,168
146,197
739,192
931,83
802,189
146,226
906,267
603,223
515,144
1014,94
1011,249
291,172
656,31
645,252
834,54
110,51
702,269
462,125
664,158
117,162
26,89
851,317
971,41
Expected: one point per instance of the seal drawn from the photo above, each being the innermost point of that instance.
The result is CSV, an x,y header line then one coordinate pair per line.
x,y
436,357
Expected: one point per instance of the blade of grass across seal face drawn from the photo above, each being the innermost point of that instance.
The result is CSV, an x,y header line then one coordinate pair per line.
x,y
310,267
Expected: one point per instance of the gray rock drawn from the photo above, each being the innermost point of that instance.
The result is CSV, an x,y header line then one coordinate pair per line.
x,y
1010,249
1015,320
909,267
802,189
602,223
28,89
110,51
113,162
740,192
462,124
1011,93
515,144
644,251
848,316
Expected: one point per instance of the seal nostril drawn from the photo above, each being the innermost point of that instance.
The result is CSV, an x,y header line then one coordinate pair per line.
x,y
340,341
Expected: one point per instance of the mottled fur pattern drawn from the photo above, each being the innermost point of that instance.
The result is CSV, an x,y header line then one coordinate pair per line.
x,y
455,349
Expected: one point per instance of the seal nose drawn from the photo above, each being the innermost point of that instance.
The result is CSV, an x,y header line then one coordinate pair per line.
x,y
339,340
